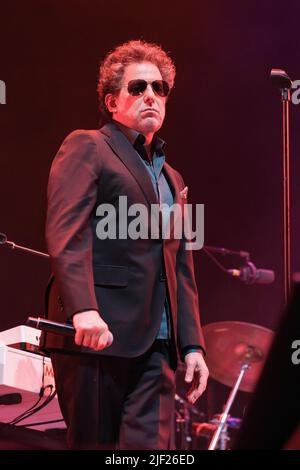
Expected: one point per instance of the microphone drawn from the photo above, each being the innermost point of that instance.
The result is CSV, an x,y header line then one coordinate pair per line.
x,y
251,275
55,327
51,326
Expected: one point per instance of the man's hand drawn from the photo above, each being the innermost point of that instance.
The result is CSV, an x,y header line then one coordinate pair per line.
x,y
196,374
91,331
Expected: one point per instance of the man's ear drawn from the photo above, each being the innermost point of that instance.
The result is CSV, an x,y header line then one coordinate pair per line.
x,y
110,102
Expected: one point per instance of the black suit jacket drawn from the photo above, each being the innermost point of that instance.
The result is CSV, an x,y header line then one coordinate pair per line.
x,y
122,278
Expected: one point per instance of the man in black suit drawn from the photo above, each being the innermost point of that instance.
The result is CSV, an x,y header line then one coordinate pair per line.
x,y
132,299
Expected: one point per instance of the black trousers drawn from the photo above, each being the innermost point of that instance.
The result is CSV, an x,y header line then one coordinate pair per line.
x,y
117,403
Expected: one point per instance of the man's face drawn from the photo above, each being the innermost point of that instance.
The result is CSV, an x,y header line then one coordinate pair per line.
x,y
146,112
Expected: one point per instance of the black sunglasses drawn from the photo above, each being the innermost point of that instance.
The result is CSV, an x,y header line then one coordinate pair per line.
x,y
137,87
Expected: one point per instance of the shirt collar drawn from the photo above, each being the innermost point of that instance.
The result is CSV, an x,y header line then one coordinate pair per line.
x,y
138,140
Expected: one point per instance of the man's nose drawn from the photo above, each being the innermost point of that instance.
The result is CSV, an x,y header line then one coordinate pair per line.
x,y
149,94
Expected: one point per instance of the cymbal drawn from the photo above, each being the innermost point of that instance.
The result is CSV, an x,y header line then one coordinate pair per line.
x,y
230,344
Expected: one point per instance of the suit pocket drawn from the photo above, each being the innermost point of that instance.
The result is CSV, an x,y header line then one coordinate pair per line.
x,y
108,275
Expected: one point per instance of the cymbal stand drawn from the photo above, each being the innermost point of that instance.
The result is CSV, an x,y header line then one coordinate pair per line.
x,y
251,354
222,427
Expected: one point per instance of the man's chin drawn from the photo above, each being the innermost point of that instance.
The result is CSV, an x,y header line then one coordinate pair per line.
x,y
150,124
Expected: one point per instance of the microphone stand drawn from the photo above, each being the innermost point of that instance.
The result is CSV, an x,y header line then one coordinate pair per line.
x,y
13,246
225,251
247,273
209,250
282,81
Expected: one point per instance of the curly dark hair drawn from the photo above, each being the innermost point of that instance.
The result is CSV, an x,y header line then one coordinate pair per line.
x,y
112,68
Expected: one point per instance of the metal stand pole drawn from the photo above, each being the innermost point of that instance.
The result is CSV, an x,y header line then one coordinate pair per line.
x,y
282,81
224,415
285,98
14,246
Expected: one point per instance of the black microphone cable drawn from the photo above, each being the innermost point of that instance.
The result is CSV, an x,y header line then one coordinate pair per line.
x,y
35,407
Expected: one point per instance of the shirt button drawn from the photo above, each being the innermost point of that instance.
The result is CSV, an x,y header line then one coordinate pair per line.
x,y
162,277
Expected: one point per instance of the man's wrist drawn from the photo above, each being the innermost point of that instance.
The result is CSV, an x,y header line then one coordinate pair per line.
x,y
193,348
70,319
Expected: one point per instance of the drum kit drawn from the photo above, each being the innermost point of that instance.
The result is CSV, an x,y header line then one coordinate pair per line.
x,y
236,353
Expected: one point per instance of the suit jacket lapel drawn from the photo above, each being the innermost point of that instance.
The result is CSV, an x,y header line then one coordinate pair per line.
x,y
170,177
121,146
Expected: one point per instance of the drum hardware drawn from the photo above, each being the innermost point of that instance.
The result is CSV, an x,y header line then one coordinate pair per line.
x,y
183,421
207,430
185,416
221,431
235,357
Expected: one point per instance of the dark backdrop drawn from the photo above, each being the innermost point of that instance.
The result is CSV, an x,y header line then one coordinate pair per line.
x,y
223,130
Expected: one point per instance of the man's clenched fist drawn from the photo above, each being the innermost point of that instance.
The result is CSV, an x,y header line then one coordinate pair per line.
x,y
91,331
